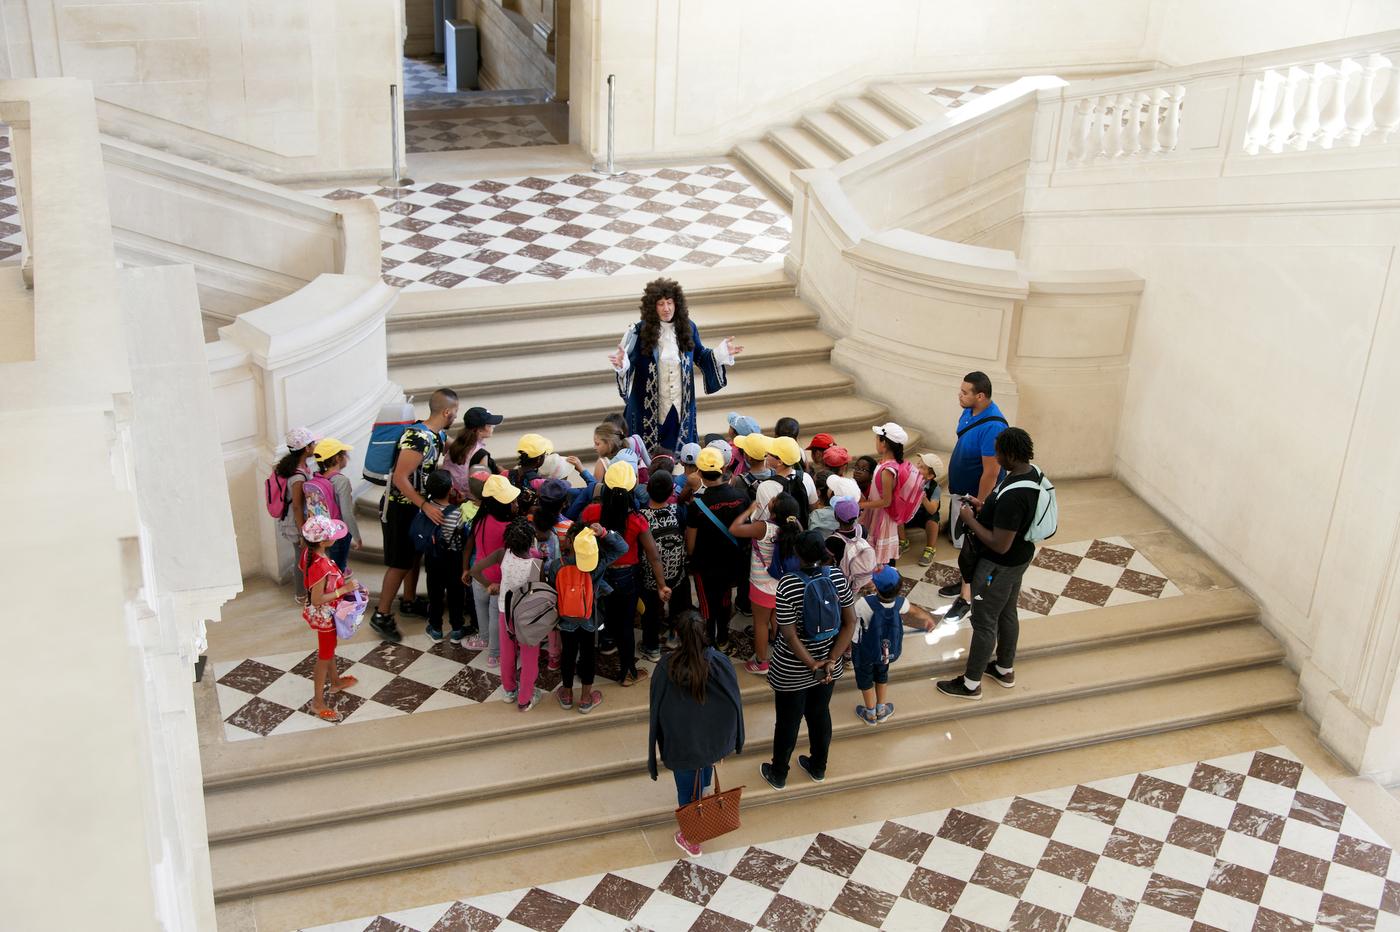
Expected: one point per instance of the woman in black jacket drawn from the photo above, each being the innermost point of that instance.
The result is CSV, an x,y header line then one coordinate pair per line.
x,y
697,715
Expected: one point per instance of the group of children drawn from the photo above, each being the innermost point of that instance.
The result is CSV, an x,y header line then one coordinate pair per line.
x,y
631,536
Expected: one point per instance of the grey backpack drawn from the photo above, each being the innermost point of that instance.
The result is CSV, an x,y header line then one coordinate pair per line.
x,y
532,611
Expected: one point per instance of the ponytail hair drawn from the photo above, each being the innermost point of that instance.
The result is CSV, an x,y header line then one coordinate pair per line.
x,y
782,511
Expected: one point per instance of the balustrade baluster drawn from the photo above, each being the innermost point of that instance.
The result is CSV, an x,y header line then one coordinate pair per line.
x,y
1172,132
1080,123
1388,109
1261,112
1100,126
1133,142
1305,121
1361,110
1333,121
1152,137
1281,125
1114,108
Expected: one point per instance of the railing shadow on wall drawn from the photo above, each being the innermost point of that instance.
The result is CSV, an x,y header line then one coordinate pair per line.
x,y
294,281
914,312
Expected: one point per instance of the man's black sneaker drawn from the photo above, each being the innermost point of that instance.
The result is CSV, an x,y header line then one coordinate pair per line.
x,y
949,591
606,647
957,610
1005,679
418,606
958,689
767,771
805,763
383,625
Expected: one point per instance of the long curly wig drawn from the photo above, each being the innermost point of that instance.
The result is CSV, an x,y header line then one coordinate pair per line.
x,y
651,323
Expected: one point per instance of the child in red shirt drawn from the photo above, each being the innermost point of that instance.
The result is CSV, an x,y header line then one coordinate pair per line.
x,y
325,586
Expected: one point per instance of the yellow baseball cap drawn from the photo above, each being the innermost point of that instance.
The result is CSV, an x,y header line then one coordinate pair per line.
x,y
499,488
710,460
620,475
586,550
533,445
756,446
786,449
329,447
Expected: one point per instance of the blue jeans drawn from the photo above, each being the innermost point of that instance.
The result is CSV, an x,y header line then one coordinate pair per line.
x,y
340,552
685,784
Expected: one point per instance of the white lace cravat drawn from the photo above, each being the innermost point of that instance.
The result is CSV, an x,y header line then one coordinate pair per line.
x,y
669,374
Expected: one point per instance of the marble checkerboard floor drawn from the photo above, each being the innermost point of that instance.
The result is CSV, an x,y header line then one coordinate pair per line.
x,y
268,696
547,228
1250,841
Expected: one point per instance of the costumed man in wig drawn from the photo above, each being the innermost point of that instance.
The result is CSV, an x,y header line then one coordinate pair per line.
x,y
656,364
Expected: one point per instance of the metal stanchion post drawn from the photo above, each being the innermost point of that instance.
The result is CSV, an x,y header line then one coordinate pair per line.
x,y
397,180
608,168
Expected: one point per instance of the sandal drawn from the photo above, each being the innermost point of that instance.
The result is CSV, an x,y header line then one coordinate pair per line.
x,y
330,715
345,683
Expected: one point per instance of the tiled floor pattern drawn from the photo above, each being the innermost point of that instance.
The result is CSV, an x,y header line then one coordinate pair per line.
x,y
425,87
480,132
270,695
954,96
538,229
11,236
1250,841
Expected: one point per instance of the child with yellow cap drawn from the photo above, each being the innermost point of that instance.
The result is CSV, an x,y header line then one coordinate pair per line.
x,y
498,507
577,575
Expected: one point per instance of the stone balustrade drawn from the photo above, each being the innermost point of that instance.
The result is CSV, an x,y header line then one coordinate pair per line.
x,y
1133,124
1342,102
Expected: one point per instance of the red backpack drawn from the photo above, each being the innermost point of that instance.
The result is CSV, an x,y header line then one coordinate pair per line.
x,y
575,594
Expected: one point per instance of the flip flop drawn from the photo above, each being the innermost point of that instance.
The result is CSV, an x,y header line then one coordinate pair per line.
x,y
345,683
330,715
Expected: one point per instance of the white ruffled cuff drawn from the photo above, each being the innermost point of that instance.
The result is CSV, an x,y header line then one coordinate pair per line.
x,y
724,354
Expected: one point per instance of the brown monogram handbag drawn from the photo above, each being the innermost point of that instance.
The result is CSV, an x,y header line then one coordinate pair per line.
x,y
709,816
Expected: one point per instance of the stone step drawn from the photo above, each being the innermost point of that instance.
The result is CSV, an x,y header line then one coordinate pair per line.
x,y
469,336
908,103
618,749
845,137
583,808
245,763
584,365
771,163
874,119
582,296
803,147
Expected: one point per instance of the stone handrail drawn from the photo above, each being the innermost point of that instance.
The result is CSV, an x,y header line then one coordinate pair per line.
x,y
913,313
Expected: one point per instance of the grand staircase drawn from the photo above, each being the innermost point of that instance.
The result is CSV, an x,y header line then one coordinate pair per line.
x,y
848,127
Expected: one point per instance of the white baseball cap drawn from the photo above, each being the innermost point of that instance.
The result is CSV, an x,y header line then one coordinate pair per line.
x,y
892,431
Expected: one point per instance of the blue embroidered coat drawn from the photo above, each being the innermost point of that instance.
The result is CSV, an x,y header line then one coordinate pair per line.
x,y
641,392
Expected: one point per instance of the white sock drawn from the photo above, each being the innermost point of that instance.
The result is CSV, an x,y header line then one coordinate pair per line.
x,y
1004,671
972,685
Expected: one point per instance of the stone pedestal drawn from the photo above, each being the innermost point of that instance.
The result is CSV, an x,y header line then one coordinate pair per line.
x,y
443,10
462,63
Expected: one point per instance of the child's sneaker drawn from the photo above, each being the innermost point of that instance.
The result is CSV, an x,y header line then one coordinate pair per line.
x,y
926,558
508,695
475,642
566,698
433,632
457,635
691,851
903,547
555,663
957,610
805,763
673,642
384,625
493,660
865,714
651,653
534,701
590,702
1007,680
757,667
606,647
951,590
884,712
418,606
958,689
767,770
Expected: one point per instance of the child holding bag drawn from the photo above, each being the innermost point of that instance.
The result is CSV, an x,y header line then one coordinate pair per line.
x,y
325,586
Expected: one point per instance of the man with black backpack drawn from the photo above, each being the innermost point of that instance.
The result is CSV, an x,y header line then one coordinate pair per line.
x,y
816,621
973,469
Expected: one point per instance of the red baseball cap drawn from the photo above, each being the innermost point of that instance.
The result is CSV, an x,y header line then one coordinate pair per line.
x,y
836,457
821,442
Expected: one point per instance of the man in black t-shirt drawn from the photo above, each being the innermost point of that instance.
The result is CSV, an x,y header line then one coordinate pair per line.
x,y
999,527
716,556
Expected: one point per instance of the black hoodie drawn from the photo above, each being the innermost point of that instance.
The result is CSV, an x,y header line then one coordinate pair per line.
x,y
693,735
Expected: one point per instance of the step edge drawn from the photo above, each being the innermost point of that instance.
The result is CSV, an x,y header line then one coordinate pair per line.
x,y
1265,656
1286,698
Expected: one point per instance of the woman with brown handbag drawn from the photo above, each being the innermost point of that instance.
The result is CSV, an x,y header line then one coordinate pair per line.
x,y
697,719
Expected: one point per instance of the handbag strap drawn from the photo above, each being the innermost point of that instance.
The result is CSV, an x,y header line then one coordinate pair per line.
x,y
699,787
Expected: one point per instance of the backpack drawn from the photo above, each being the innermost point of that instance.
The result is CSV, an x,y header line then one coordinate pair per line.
x,y
908,493
574,594
531,611
882,637
670,545
278,495
1047,508
426,536
858,562
383,449
794,486
320,497
821,608
779,567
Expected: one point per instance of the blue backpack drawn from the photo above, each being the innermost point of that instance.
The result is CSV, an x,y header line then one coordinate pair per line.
x,y
426,536
821,607
882,637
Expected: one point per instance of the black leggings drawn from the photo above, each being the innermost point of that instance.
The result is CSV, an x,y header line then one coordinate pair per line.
x,y
813,705
578,649
714,588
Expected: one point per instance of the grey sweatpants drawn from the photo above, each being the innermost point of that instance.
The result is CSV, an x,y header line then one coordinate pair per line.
x,y
995,624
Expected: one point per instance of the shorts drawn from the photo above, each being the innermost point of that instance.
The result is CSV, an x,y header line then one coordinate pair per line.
x,y
762,599
325,644
867,675
922,518
399,552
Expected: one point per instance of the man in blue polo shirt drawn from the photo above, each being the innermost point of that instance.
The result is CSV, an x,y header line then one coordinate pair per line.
x,y
973,470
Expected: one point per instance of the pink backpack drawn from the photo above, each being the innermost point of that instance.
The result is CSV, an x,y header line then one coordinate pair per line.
x,y
908,491
277,494
320,497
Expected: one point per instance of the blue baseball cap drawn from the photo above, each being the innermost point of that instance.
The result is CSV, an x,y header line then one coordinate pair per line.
x,y
689,452
627,455
553,490
742,425
887,579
